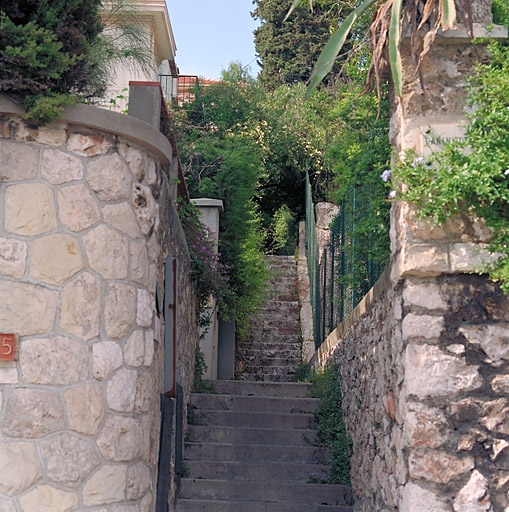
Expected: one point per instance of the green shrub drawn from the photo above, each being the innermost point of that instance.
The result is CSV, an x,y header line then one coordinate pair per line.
x,y
471,176
45,52
330,423
52,49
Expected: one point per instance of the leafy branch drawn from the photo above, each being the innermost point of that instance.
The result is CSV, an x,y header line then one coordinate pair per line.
x,y
471,176
386,33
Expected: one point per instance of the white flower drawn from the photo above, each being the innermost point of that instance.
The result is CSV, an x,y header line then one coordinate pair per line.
x,y
386,175
392,194
418,161
506,172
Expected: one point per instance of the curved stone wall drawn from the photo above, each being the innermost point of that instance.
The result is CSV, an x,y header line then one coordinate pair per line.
x,y
86,220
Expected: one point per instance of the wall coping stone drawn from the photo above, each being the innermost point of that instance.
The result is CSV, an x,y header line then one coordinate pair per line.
x,y
327,347
104,120
462,34
205,202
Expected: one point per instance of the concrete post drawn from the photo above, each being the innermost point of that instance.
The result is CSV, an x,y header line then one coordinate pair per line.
x,y
209,213
145,102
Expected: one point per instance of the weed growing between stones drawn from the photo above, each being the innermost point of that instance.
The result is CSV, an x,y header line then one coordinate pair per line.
x,y
302,373
199,385
330,424
184,472
191,415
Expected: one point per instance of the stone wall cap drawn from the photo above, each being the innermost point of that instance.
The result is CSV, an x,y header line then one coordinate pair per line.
x,y
462,34
101,119
205,202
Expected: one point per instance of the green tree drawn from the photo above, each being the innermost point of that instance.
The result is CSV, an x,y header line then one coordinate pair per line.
x,y
293,134
45,45
287,50
53,53
222,161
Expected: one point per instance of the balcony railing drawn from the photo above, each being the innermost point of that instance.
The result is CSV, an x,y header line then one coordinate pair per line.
x,y
180,89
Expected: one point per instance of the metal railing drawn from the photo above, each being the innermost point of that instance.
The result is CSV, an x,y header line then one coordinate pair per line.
x,y
341,275
180,89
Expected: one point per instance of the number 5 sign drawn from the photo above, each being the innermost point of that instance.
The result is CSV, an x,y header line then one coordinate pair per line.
x,y
8,347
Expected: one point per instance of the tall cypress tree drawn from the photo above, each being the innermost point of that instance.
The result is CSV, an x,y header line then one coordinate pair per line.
x,y
287,50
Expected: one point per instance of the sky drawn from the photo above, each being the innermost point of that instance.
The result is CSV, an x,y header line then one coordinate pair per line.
x,y
209,34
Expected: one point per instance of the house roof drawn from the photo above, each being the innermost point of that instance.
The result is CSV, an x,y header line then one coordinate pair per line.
x,y
157,12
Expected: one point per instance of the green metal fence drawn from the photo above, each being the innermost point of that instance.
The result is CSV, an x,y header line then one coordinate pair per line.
x,y
342,275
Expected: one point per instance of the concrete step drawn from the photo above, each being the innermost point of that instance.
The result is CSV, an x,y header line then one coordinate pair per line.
x,y
263,362
259,453
237,387
267,340
253,403
324,494
253,419
280,352
260,472
249,506
269,321
274,350
263,377
274,306
239,435
269,371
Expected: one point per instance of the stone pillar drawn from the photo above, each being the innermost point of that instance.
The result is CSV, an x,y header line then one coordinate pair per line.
x,y
427,112
304,288
325,213
448,400
209,212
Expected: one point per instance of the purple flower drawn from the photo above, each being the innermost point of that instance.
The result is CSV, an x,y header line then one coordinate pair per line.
x,y
392,194
418,161
386,175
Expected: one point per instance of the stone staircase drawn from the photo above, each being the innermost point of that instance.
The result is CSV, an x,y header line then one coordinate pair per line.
x,y
273,348
250,449
251,444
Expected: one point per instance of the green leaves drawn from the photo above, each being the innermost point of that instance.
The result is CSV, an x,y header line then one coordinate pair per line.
x,y
326,59
394,41
384,33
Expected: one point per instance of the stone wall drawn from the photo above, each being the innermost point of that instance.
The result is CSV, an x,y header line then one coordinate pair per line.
x,y
87,217
424,357
424,368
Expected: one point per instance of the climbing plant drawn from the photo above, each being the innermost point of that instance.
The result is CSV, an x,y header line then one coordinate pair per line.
x,y
222,161
471,176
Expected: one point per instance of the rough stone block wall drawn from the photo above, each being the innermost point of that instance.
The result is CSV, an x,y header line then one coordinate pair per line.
x,y
86,220
425,382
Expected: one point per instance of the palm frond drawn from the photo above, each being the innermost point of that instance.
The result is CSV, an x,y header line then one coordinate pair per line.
x,y
428,16
394,42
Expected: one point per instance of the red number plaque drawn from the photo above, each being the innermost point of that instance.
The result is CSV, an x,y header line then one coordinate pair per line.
x,y
8,347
